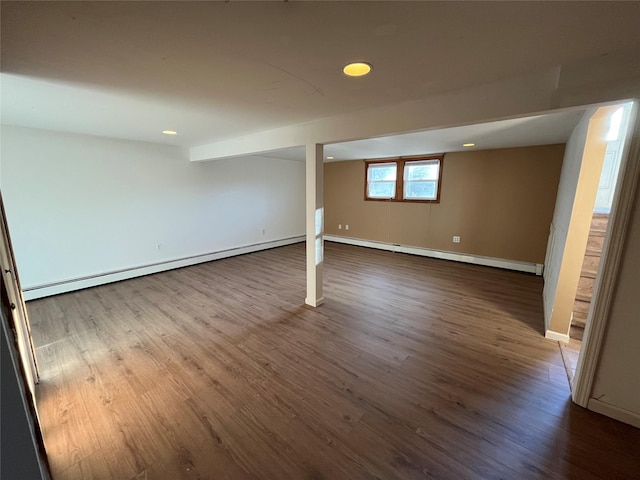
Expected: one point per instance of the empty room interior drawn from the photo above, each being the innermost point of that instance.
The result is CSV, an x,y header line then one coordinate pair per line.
x,y
323,240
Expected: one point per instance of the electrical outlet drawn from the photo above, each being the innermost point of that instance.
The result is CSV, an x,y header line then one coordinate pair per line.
x,y
456,239
339,226
346,227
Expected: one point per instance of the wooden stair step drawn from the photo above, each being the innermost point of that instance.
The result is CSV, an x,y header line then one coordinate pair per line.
x,y
580,313
584,297
576,332
595,243
590,266
593,252
579,320
598,229
579,323
594,256
580,307
585,289
599,221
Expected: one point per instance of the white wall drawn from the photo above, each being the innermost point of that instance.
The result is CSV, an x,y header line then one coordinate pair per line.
x,y
562,215
79,206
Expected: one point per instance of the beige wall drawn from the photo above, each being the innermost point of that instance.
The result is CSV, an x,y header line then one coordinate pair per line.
x,y
500,202
562,215
579,222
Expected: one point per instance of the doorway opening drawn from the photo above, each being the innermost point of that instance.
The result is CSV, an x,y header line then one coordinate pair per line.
x,y
612,125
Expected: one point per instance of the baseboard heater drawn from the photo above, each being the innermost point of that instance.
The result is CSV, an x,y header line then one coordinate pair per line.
x,y
536,268
63,286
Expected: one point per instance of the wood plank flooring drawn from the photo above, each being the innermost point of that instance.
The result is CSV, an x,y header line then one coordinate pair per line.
x,y
570,355
413,368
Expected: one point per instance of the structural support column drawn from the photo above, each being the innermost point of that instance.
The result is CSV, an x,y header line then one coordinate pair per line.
x,y
315,224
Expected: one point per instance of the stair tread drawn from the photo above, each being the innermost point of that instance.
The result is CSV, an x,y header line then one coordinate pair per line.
x,y
581,307
578,322
576,332
590,265
577,315
585,283
584,297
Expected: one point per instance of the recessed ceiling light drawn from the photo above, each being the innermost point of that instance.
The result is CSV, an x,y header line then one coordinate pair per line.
x,y
329,158
357,69
169,132
468,144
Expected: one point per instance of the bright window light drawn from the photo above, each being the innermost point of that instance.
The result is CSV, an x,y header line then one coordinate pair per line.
x,y
381,180
615,122
421,180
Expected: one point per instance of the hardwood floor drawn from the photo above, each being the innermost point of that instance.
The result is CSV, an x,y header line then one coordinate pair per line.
x,y
570,354
413,368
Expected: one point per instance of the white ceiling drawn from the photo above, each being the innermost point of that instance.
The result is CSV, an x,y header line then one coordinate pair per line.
x,y
538,130
218,70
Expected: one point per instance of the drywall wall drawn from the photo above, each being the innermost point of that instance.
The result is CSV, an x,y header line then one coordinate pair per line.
x,y
79,206
572,219
500,202
617,381
562,213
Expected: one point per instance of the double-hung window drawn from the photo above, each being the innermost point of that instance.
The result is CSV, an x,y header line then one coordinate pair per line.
x,y
381,180
416,179
421,180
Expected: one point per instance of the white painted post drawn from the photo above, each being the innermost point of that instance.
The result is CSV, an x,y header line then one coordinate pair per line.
x,y
315,224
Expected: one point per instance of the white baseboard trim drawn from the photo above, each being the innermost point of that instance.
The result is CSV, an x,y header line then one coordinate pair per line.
x,y
614,412
64,286
558,337
317,303
427,252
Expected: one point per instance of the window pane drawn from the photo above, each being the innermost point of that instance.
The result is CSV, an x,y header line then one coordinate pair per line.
x,y
421,190
422,170
382,172
382,190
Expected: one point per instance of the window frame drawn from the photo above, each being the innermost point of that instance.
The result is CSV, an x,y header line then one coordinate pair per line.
x,y
400,164
366,180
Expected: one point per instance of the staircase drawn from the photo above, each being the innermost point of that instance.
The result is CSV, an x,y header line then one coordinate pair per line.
x,y
589,269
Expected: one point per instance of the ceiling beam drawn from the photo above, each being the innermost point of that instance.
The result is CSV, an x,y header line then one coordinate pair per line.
x,y
591,81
